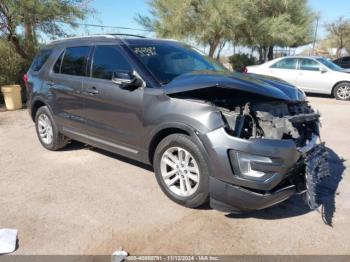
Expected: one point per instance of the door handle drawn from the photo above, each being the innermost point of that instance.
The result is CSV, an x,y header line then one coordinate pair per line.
x,y
93,91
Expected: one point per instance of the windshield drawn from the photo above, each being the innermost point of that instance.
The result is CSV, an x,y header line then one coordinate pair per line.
x,y
329,64
167,61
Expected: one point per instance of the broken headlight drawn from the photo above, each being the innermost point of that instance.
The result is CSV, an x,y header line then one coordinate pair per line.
x,y
245,164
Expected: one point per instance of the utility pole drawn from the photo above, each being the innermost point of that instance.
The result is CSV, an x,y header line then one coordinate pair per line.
x,y
315,36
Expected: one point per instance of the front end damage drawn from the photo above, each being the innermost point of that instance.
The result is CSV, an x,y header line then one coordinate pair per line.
x,y
268,150
295,121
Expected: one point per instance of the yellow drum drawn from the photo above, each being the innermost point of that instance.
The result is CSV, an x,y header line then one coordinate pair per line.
x,y
12,96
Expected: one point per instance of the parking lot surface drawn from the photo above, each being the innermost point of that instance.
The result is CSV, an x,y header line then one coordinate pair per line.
x,y
83,200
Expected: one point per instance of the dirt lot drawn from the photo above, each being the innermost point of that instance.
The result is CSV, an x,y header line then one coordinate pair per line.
x,y
86,201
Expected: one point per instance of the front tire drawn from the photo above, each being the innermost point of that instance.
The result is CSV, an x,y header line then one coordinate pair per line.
x,y
182,171
47,131
342,91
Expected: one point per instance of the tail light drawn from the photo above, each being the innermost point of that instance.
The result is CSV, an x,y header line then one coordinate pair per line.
x,y
245,70
25,78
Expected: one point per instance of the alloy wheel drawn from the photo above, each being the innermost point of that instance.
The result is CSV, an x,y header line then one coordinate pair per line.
x,y
180,171
344,92
45,129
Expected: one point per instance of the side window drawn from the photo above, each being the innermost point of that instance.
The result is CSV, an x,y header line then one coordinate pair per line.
x,y
286,63
309,65
57,66
345,61
108,59
337,61
74,60
40,59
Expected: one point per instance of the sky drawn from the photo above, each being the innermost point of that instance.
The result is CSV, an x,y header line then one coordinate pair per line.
x,y
123,12
116,13
330,10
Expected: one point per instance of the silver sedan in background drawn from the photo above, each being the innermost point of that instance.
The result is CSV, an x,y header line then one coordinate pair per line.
x,y
310,74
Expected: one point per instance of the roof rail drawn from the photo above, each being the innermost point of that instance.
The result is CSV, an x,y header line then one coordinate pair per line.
x,y
119,34
112,35
80,37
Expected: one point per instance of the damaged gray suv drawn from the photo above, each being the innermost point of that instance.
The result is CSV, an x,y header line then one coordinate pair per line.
x,y
241,141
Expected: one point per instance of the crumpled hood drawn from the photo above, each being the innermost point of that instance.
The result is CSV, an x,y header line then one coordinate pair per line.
x,y
251,83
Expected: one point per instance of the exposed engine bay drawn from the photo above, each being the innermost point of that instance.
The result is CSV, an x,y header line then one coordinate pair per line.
x,y
254,116
273,120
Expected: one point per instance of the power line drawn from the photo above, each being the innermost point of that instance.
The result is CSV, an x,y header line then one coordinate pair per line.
x,y
115,27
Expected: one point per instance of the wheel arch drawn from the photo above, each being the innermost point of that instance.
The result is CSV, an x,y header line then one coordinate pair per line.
x,y
337,83
169,129
160,135
35,106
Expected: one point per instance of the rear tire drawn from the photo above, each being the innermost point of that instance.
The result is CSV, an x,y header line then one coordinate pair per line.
x,y
47,131
342,91
181,171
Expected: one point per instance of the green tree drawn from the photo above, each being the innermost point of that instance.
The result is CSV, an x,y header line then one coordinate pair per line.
x,y
240,61
339,33
208,22
273,23
260,24
35,16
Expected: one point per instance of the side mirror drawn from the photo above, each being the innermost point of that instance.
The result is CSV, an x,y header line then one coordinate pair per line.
x,y
323,70
127,79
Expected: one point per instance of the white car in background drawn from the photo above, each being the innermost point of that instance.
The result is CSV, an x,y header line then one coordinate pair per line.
x,y
310,74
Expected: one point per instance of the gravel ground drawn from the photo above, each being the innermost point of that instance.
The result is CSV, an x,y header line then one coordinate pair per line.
x,y
83,200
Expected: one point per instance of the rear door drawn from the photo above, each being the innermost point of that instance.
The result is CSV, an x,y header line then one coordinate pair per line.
x,y
65,84
284,69
37,72
310,78
113,114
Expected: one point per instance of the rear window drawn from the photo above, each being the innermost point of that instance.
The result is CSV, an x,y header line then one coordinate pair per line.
x,y
74,61
286,63
40,59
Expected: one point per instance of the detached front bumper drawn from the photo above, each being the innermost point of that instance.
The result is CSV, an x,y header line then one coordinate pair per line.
x,y
231,191
230,198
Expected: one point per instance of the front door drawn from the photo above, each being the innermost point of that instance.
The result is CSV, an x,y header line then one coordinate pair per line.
x,y
284,69
113,114
310,78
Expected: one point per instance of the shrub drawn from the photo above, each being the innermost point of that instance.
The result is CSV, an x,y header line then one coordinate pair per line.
x,y
240,61
12,67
